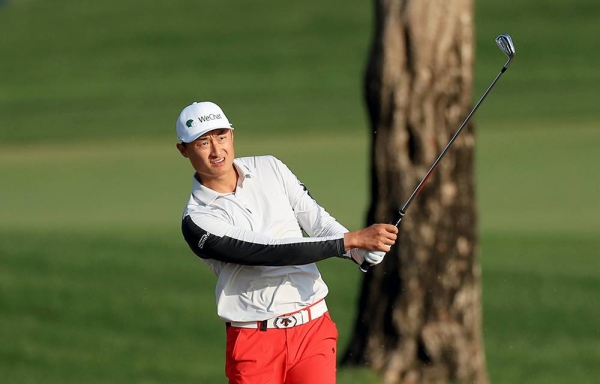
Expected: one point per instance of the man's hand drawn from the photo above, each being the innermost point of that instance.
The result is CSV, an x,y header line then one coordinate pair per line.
x,y
372,257
377,237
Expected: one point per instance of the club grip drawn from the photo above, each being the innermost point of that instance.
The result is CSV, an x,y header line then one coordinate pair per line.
x,y
364,267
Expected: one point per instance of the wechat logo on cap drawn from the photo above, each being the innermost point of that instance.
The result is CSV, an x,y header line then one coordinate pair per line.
x,y
191,123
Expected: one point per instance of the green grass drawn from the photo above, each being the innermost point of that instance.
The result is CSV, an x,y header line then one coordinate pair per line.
x,y
119,185
77,69
96,284
105,308
534,178
540,319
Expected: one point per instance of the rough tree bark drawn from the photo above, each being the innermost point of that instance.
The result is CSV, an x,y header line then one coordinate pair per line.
x,y
419,317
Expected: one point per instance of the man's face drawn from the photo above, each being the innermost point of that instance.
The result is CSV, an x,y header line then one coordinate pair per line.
x,y
211,154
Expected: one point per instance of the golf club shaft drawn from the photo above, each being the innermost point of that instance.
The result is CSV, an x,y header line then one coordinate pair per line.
x,y
400,214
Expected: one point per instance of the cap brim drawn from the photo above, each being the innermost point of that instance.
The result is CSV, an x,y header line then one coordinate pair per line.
x,y
195,137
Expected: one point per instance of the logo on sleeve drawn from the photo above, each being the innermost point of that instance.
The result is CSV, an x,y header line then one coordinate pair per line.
x,y
304,187
203,240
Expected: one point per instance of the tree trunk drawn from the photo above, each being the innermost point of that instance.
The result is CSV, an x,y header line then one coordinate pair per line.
x,y
419,317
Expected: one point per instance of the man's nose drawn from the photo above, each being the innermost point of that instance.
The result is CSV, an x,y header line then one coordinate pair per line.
x,y
215,149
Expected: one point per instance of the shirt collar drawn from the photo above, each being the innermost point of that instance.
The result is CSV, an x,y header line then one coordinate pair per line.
x,y
207,195
243,170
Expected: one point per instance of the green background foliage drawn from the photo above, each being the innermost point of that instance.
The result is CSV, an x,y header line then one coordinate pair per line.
x,y
96,284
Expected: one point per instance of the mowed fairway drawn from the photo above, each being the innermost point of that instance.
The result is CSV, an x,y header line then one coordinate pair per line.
x,y
97,286
96,282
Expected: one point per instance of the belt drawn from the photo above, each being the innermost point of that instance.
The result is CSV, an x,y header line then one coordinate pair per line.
x,y
289,320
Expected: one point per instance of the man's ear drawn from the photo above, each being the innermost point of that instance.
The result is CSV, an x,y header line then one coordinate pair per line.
x,y
182,149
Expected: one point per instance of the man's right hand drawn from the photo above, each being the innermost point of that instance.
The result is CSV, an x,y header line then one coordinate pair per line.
x,y
377,237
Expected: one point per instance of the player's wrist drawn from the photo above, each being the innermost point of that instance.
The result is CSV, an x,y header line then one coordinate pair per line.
x,y
350,241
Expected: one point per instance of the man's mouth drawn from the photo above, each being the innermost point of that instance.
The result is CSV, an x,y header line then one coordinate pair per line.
x,y
217,161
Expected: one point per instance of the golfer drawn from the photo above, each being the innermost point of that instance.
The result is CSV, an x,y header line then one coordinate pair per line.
x,y
245,219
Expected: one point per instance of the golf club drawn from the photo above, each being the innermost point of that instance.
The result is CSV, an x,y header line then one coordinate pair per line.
x,y
505,43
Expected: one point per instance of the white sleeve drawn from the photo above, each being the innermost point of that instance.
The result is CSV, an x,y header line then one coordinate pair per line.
x,y
313,218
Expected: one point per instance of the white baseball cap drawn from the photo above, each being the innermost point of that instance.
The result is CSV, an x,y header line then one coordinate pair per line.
x,y
197,119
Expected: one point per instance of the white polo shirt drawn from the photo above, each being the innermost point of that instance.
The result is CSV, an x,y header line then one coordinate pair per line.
x,y
252,240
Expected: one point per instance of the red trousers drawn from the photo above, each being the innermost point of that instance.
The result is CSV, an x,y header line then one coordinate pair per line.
x,y
305,354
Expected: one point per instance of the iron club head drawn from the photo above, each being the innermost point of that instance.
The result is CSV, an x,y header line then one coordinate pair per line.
x,y
505,43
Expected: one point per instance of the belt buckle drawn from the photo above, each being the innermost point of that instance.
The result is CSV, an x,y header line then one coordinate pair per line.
x,y
285,321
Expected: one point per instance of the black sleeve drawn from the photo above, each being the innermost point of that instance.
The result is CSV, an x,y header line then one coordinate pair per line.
x,y
231,250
